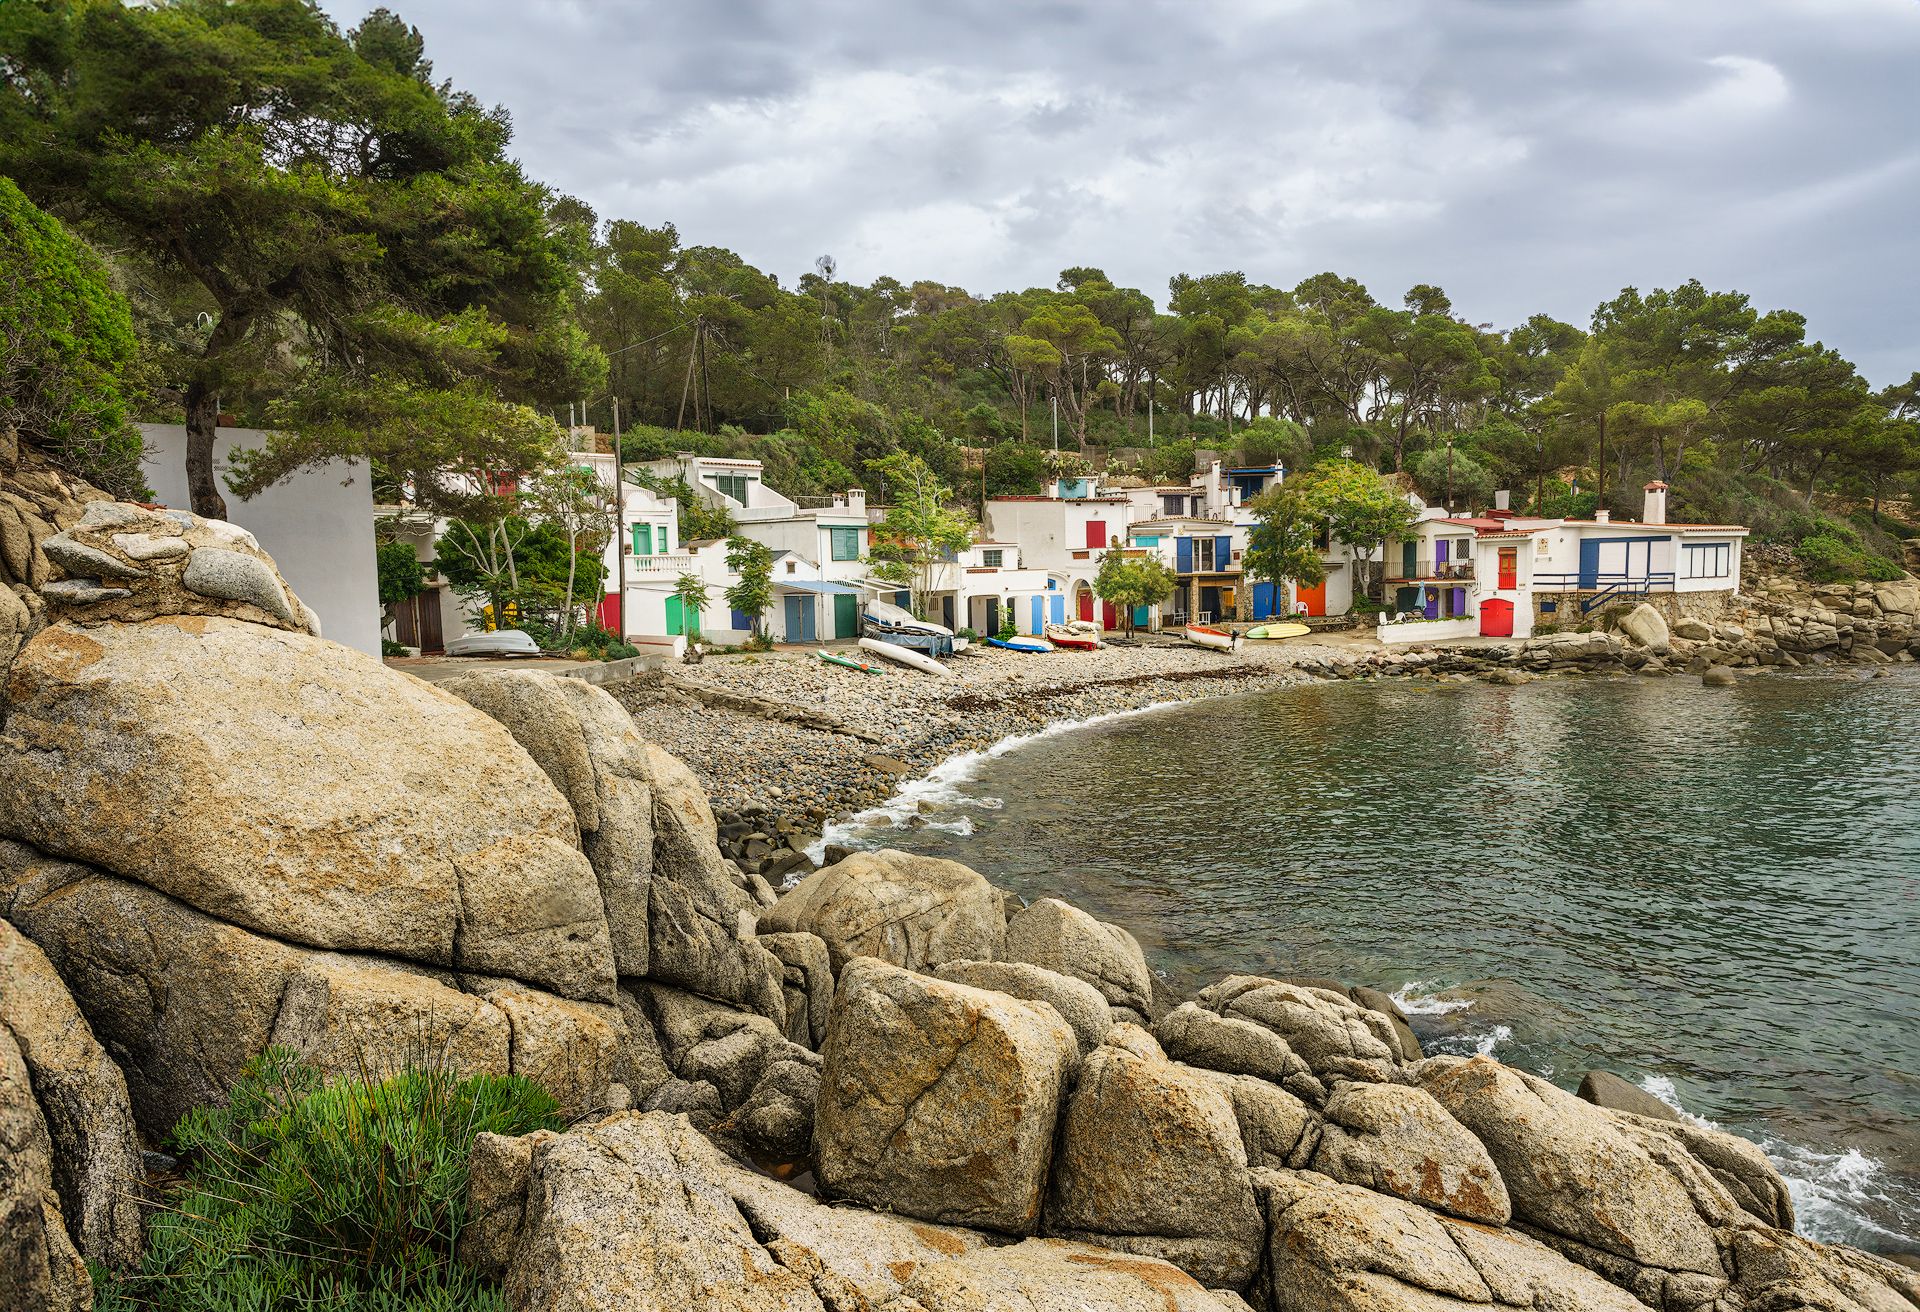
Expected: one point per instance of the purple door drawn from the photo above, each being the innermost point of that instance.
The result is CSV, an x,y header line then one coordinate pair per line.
x,y
1432,608
1440,556
1459,602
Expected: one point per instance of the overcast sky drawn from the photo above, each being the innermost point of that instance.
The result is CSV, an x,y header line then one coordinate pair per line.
x,y
1526,155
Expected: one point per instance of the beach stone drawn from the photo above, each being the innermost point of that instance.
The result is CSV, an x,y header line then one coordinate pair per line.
x,y
1337,1038
40,1270
1192,1034
1647,627
911,911
1335,1247
1065,939
1570,1169
166,753
346,1017
806,983
1693,630
82,1098
1397,1140
1078,1002
1408,1046
937,1100
1718,676
1605,1089
629,1213
1151,1162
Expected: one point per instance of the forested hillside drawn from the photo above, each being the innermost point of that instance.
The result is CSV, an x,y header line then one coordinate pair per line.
x,y
315,235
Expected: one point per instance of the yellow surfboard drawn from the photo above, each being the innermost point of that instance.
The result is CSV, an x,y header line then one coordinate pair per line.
x,y
1277,631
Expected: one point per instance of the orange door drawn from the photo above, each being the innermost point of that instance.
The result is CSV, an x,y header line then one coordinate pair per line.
x,y
1314,597
1509,568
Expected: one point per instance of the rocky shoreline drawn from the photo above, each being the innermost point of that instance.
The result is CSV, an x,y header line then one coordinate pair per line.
x,y
896,1088
787,745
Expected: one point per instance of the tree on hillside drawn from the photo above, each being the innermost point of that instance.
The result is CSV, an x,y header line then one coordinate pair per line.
x,y
1284,544
355,239
572,502
66,346
1361,509
752,595
921,528
1127,582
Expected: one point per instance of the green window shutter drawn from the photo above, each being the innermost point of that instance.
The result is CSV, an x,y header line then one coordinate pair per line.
x,y
844,543
642,540
676,617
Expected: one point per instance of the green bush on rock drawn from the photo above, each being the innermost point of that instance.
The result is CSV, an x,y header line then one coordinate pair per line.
x,y
347,1196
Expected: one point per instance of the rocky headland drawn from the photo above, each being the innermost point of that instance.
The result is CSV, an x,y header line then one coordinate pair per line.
x,y
896,1087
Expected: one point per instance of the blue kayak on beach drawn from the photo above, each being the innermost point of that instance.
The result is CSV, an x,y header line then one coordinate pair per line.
x,y
1031,646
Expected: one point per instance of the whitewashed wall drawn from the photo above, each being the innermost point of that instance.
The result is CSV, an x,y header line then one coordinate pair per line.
x,y
317,526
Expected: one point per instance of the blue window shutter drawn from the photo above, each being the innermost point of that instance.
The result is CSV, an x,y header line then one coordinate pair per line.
x,y
1222,552
742,620
1183,555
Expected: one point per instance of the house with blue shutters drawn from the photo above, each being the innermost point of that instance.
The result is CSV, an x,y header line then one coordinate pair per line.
x,y
1204,555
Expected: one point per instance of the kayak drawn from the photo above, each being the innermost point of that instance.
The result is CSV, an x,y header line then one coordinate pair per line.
x,y
918,660
1031,646
1206,636
1061,637
1277,631
861,666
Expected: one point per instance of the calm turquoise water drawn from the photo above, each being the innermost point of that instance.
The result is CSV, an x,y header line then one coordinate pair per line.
x,y
1713,892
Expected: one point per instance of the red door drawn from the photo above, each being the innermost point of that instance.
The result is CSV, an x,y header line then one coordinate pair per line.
x,y
1097,534
1108,618
1314,598
1509,569
1496,618
1086,605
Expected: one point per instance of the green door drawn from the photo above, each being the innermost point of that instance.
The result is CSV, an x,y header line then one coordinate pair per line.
x,y
846,616
676,616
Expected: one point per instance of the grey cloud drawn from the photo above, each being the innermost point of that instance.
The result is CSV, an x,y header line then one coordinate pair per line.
x,y
1529,155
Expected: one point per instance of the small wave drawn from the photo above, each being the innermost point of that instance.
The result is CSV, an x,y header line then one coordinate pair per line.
x,y
1411,1000
1836,1196
940,786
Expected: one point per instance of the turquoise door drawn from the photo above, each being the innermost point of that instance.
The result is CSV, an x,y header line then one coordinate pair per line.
x,y
846,616
799,618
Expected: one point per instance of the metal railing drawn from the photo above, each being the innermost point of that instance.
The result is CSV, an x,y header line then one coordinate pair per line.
x,y
1430,569
1606,588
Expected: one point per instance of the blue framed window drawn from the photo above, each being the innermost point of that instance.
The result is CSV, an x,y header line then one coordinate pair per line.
x,y
1706,560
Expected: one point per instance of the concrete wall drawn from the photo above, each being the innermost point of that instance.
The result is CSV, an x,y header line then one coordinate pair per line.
x,y
317,526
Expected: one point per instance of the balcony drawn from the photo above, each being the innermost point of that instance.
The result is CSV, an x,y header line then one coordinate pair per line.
x,y
1426,570
670,566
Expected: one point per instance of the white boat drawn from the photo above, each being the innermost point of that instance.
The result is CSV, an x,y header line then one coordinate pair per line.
x,y
889,616
501,642
1207,636
893,651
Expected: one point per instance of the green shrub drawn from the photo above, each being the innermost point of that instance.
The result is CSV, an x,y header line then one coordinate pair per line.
x,y
66,349
1832,552
398,569
346,1196
388,647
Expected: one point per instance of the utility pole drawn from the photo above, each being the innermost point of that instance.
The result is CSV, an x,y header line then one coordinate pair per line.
x,y
1539,473
1601,494
620,520
1055,399
1449,473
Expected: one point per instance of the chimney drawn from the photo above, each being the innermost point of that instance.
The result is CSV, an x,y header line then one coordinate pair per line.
x,y
1603,516
1503,500
857,500
1656,508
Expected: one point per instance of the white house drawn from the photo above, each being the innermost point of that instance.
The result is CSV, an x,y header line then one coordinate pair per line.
x,y
1505,575
1063,535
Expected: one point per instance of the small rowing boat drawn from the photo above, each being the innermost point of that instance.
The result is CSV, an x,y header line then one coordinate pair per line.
x,y
861,666
907,656
1262,632
1206,635
1061,637
1031,646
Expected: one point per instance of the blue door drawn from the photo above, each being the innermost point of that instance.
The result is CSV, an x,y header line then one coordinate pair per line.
x,y
1264,607
1142,616
1057,608
1432,608
1590,563
799,618
1039,615
1183,555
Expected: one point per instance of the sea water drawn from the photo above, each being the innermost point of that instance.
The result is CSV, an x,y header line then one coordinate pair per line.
x,y
1713,892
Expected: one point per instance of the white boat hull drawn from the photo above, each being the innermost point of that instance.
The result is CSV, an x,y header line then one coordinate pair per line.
x,y
1217,641
919,660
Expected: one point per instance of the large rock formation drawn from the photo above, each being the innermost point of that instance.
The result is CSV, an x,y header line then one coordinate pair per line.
x,y
1067,940
938,1100
916,912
